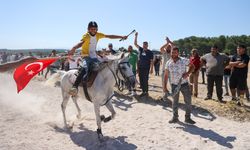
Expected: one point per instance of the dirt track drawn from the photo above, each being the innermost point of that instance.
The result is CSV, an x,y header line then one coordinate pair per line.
x,y
32,120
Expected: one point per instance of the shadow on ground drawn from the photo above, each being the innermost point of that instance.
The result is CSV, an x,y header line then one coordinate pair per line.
x,y
88,139
210,134
122,101
167,105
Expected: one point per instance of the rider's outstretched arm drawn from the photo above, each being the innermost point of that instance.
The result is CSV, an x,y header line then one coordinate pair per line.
x,y
73,49
116,37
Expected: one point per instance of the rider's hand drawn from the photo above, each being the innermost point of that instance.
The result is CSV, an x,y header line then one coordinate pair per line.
x,y
125,37
136,33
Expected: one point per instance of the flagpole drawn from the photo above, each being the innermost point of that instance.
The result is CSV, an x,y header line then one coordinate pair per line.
x,y
12,65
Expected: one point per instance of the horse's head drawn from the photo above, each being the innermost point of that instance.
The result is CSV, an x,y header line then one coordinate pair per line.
x,y
124,70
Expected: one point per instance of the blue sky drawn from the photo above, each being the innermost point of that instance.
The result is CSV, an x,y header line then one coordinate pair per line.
x,y
61,23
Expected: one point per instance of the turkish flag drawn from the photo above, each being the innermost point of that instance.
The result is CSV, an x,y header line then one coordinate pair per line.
x,y
24,73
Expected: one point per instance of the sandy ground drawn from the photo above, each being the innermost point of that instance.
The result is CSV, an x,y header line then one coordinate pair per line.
x,y
32,120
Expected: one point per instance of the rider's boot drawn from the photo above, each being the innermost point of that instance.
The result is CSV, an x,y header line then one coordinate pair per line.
x,y
82,75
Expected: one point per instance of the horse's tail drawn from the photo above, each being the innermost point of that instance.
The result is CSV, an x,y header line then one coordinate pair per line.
x,y
55,79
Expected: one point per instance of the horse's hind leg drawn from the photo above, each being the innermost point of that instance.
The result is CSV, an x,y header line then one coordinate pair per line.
x,y
111,109
74,98
63,106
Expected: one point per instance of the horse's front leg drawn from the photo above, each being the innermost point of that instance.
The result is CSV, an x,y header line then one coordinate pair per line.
x,y
98,120
111,109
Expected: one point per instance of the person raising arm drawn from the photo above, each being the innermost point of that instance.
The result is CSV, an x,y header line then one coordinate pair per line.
x,y
145,65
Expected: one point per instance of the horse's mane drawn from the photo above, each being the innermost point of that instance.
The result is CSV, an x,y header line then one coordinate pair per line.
x,y
111,60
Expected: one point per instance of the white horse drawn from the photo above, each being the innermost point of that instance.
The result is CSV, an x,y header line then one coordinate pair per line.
x,y
102,88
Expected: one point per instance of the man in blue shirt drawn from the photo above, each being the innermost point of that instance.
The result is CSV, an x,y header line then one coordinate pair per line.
x,y
145,65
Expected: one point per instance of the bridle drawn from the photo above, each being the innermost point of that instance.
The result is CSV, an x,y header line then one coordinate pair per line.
x,y
116,76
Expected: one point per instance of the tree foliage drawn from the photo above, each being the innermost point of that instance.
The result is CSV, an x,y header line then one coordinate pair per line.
x,y
203,44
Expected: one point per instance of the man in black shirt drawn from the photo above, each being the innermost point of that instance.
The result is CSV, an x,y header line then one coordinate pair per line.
x,y
239,64
145,65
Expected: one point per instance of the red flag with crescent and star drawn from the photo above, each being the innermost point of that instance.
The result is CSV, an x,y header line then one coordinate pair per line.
x,y
24,73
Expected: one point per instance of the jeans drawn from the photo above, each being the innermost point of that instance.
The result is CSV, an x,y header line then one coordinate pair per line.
x,y
211,79
185,90
226,81
143,77
83,71
157,69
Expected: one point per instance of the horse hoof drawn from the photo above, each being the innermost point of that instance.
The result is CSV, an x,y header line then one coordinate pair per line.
x,y
69,126
99,134
107,119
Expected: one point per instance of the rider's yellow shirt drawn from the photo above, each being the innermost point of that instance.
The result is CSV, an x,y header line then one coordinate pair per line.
x,y
89,43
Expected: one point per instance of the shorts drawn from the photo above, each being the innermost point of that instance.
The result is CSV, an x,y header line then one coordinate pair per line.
x,y
239,82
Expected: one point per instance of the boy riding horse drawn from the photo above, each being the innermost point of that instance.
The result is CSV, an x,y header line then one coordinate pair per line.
x,y
90,58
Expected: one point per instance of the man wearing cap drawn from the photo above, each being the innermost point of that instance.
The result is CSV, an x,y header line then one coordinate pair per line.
x,y
88,44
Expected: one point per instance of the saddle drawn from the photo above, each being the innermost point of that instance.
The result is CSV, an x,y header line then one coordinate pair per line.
x,y
91,76
93,72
